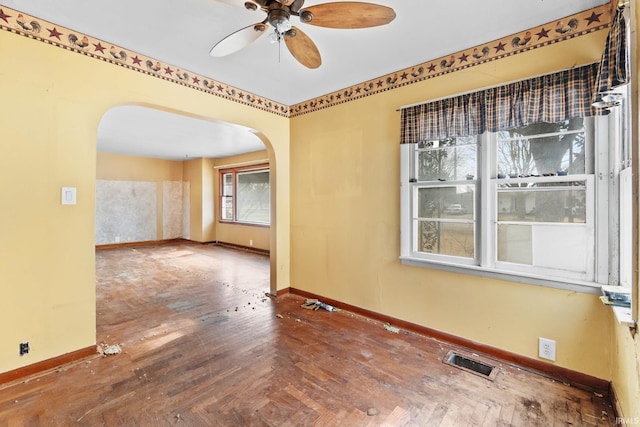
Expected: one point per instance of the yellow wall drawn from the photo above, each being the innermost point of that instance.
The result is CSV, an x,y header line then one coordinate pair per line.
x,y
335,232
193,172
119,167
625,366
49,121
345,224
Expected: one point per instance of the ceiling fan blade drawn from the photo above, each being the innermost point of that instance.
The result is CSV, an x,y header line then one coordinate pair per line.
x,y
347,14
296,6
238,40
302,48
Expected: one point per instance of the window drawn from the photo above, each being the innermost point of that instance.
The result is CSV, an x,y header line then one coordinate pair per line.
x,y
533,204
244,195
445,197
525,181
544,219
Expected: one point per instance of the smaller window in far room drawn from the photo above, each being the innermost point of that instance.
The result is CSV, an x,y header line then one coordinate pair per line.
x,y
245,195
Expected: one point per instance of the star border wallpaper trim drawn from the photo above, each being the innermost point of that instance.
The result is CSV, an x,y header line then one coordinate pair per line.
x,y
553,32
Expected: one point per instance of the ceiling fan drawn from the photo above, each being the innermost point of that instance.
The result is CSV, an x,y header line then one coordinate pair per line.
x,y
345,15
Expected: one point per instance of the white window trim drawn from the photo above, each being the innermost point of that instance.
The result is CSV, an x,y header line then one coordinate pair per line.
x,y
484,212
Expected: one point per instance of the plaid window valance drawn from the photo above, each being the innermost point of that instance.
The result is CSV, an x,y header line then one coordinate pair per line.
x,y
550,98
614,67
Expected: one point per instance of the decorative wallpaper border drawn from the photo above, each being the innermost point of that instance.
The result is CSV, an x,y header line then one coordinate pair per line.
x,y
553,32
50,33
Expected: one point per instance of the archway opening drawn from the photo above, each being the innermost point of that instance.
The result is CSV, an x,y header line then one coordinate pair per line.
x,y
159,179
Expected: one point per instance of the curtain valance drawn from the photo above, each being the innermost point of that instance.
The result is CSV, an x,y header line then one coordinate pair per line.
x,y
549,98
614,67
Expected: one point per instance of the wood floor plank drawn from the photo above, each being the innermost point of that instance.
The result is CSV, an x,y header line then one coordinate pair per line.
x,y
202,345
398,417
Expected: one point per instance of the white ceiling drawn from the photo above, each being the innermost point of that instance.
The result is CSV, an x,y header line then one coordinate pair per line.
x,y
181,33
140,131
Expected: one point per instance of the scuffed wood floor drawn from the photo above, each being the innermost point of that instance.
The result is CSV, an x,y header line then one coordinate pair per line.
x,y
202,345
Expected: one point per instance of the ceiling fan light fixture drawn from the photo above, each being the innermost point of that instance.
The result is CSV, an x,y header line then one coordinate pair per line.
x,y
283,27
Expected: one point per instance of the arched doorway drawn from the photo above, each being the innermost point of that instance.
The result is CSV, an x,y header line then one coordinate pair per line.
x,y
157,178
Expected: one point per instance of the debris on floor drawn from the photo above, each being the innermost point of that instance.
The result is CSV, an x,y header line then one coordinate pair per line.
x,y
373,411
392,329
314,304
310,304
279,316
109,350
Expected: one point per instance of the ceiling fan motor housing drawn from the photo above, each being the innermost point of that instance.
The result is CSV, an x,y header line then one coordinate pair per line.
x,y
279,19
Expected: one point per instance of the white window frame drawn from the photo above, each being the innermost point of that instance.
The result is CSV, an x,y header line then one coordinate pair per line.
x,y
602,189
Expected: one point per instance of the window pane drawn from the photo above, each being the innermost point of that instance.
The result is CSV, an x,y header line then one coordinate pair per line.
x,y
227,197
535,204
542,149
227,188
447,160
515,244
446,238
446,202
548,247
227,208
252,193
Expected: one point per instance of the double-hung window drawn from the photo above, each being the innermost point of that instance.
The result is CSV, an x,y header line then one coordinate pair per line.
x,y
245,195
544,200
535,203
444,196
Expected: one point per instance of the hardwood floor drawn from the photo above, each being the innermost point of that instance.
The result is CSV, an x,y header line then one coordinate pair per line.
x,y
203,345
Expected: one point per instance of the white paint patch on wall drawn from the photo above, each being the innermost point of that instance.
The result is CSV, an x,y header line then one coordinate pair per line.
x,y
172,209
126,211
186,210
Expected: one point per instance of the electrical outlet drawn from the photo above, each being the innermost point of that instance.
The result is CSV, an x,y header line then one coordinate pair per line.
x,y
24,348
547,348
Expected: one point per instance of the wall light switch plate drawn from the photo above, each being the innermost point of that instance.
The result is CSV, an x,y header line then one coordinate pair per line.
x,y
68,196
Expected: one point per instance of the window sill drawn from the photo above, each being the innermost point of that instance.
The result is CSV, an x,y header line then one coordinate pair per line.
x,y
624,316
250,224
567,285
